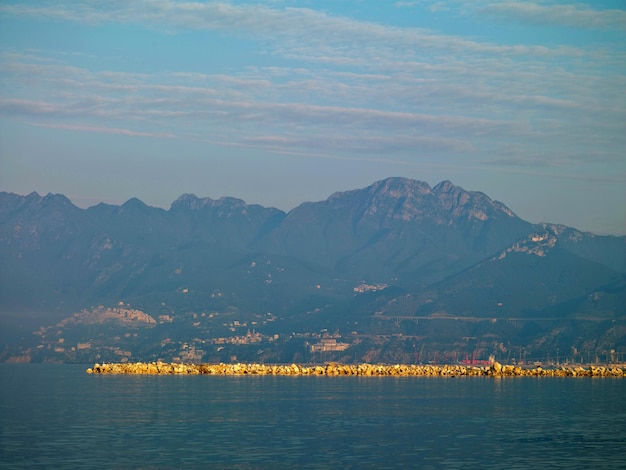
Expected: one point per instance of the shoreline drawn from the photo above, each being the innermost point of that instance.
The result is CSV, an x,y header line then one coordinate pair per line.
x,y
369,370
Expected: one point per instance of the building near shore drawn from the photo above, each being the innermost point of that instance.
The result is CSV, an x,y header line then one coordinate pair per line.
x,y
329,344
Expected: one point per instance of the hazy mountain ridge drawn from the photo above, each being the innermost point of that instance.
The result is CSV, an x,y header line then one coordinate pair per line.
x,y
397,226
394,229
445,250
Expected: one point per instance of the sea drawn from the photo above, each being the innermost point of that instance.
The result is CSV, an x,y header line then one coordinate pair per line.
x,y
57,417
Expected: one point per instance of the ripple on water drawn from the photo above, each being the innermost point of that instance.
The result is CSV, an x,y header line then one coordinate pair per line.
x,y
59,417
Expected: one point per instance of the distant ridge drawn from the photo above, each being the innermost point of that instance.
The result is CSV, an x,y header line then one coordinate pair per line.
x,y
440,252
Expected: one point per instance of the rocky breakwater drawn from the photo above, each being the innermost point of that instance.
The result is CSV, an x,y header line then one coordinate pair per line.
x,y
405,370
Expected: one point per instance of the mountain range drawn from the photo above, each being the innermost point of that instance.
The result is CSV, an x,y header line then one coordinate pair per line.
x,y
389,270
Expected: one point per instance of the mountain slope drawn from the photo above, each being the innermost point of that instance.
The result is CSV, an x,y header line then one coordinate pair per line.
x,y
534,277
395,249
54,253
397,227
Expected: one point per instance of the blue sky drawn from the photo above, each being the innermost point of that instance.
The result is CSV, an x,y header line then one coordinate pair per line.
x,y
282,102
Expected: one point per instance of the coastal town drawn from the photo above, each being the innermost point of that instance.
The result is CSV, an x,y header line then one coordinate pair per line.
x,y
124,334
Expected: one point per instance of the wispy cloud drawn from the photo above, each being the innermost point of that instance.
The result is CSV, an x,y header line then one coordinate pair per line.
x,y
298,30
572,15
104,130
349,86
545,12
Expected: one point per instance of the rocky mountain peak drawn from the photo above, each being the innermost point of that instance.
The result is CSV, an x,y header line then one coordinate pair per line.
x,y
186,201
396,199
392,188
57,198
404,199
445,186
407,199
134,208
51,204
397,187
48,201
133,202
192,202
469,204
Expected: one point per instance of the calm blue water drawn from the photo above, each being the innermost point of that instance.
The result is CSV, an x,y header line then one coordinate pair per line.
x,y
60,417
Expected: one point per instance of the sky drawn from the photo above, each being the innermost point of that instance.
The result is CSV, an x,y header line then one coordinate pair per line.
x,y
282,102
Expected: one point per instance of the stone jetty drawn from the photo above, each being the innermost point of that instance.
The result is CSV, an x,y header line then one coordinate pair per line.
x,y
333,369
